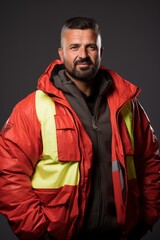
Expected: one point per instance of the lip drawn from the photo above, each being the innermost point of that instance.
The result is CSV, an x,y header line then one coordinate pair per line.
x,y
83,64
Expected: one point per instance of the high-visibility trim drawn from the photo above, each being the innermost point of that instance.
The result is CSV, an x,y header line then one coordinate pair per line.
x,y
128,118
127,114
117,167
50,172
130,167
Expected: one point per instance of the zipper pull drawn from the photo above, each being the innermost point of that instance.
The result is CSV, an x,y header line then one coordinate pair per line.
x,y
94,125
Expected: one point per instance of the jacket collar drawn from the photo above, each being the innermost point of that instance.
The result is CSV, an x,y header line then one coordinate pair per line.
x,y
121,91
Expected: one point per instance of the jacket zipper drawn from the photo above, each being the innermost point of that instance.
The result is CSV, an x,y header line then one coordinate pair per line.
x,y
97,130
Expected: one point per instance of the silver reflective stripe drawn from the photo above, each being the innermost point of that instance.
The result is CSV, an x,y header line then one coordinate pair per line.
x,y
116,166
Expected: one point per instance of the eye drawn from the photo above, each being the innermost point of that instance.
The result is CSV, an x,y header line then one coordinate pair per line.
x,y
74,47
92,47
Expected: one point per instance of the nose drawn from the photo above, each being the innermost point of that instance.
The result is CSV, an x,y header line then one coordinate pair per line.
x,y
83,52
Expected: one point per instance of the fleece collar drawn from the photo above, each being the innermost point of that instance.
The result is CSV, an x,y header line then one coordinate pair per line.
x,y
122,90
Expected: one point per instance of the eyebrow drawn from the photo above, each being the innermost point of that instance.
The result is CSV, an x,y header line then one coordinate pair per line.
x,y
78,44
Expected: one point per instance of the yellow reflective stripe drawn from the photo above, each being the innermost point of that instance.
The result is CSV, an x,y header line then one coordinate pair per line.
x,y
50,172
128,118
51,176
45,108
130,167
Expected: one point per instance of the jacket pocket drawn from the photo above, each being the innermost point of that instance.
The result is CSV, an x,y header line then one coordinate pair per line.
x,y
61,209
53,197
67,139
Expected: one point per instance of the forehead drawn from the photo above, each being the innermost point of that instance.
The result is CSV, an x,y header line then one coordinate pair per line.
x,y
78,35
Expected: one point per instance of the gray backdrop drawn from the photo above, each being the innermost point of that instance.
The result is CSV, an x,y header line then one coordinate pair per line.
x,y
29,37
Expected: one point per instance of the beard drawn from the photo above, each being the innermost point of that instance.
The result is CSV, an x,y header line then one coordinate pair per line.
x,y
84,73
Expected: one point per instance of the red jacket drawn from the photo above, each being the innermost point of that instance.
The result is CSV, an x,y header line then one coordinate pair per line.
x,y
60,211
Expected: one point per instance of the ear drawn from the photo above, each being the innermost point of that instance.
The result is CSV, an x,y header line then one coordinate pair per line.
x,y
60,52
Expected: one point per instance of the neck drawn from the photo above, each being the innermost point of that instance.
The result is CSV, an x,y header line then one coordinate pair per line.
x,y
84,86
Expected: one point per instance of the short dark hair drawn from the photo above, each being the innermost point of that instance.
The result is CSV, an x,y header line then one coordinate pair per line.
x,y
80,23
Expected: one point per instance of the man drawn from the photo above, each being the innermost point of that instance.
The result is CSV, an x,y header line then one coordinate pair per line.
x,y
78,157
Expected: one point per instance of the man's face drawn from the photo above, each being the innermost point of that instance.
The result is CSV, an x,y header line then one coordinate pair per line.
x,y
81,53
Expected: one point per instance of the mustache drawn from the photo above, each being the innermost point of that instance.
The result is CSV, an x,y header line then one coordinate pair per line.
x,y
83,60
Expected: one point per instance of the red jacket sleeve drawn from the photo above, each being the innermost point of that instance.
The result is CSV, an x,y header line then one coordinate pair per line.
x,y
147,163
20,148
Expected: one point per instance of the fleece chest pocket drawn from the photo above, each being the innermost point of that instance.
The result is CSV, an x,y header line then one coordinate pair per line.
x,y
67,139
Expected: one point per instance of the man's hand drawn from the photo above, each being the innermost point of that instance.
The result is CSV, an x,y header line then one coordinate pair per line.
x,y
46,236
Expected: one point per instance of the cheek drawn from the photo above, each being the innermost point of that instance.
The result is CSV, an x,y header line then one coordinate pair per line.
x,y
95,57
68,64
69,59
